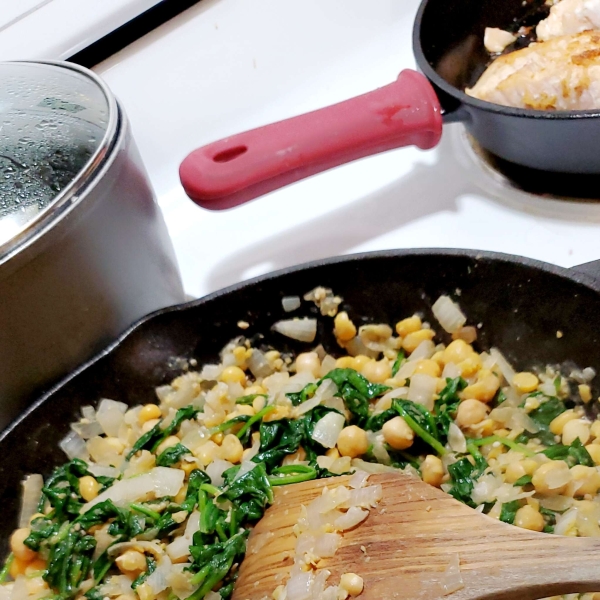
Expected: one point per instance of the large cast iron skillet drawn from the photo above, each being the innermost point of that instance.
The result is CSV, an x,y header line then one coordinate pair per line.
x,y
521,303
449,51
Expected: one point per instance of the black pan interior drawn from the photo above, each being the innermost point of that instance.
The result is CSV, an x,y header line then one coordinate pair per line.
x,y
450,33
521,305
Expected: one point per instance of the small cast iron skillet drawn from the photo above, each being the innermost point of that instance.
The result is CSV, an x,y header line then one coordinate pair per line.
x,y
448,46
521,304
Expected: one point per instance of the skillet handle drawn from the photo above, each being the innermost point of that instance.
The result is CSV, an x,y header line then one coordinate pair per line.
x,y
240,168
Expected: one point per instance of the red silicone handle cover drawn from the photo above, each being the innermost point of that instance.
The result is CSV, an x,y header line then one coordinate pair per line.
x,y
241,167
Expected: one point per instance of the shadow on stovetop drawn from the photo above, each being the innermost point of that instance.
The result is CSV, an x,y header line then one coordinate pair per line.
x,y
428,189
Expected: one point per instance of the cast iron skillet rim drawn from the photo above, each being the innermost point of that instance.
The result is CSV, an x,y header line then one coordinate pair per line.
x,y
571,274
469,101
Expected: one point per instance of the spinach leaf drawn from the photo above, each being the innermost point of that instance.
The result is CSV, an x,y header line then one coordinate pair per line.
x,y
575,454
249,399
525,480
376,422
171,455
400,359
421,421
249,494
150,568
304,394
464,474
509,511
447,404
195,480
356,391
547,411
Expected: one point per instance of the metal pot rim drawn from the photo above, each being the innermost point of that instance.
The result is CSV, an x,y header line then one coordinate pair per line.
x,y
73,192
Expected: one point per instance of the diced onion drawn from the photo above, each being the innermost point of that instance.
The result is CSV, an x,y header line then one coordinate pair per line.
x,y
327,429
456,439
467,334
158,580
110,416
326,545
452,580
359,479
424,350
246,467
507,371
355,347
88,412
448,313
101,471
160,481
583,376
566,522
290,303
303,330
324,392
364,497
451,370
258,364
74,446
422,389
351,518
514,418
299,586
32,490
407,369
215,471
375,337
86,428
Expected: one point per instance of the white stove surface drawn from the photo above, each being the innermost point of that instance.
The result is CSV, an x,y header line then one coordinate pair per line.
x,y
224,66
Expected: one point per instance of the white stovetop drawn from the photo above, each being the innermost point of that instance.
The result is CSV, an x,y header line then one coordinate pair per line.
x,y
227,65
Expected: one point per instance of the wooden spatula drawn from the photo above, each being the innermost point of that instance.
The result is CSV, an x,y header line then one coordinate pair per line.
x,y
407,543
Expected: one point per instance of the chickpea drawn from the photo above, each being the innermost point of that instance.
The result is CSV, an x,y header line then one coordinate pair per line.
x,y
457,351
207,452
586,479
484,389
377,371
408,326
232,374
432,470
412,340
88,487
35,566
525,382
259,403
333,453
471,412
529,518
149,412
255,389
594,452
217,437
115,444
280,412
231,449
595,429
514,471
470,365
171,441
243,409
18,548
148,425
426,366
398,434
544,479
308,362
18,567
345,362
557,424
360,361
577,428
343,328
131,562
352,441
188,467
585,393
352,583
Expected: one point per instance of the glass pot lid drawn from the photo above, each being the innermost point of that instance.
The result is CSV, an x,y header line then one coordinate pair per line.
x,y
57,121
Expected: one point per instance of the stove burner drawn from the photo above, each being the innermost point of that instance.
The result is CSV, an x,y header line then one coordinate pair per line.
x,y
557,186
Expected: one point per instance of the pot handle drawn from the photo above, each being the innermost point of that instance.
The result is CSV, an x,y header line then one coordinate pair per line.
x,y
240,168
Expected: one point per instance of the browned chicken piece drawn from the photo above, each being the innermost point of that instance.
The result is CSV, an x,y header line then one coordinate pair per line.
x,y
560,74
568,17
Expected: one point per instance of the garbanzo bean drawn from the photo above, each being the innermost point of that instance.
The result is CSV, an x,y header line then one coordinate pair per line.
x,y
409,325
426,366
457,351
343,328
232,374
88,487
231,449
586,480
377,371
577,428
557,424
308,362
149,412
432,470
525,382
352,441
470,412
352,583
545,478
529,518
131,562
398,434
412,340
18,548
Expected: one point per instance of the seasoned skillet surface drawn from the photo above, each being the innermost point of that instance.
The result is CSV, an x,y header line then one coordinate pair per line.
x,y
521,304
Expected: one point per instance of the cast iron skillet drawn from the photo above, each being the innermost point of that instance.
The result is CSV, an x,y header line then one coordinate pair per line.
x,y
448,46
521,304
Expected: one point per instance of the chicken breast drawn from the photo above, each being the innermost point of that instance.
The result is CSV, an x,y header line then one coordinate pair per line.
x,y
569,17
560,74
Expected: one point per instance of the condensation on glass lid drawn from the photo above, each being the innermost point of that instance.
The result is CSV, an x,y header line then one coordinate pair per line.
x,y
39,157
